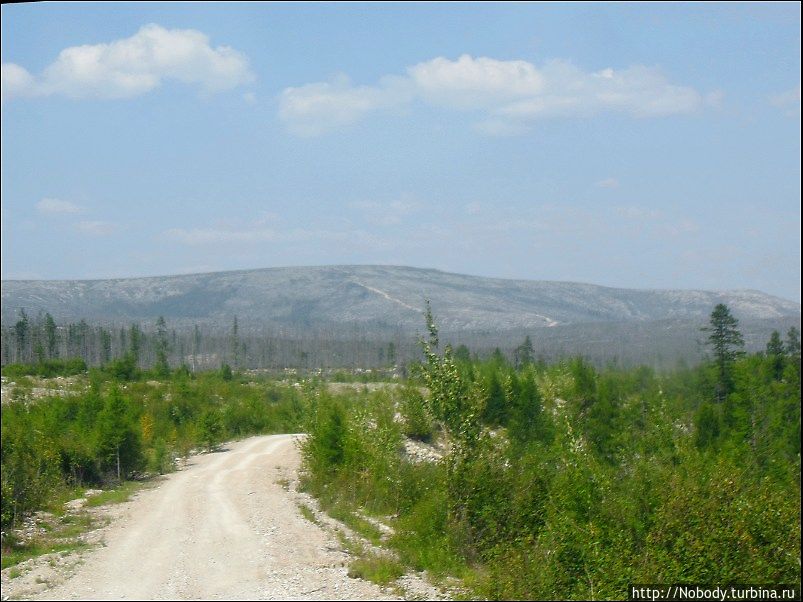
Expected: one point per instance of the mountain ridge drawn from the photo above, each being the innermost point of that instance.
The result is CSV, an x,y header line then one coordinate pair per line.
x,y
371,294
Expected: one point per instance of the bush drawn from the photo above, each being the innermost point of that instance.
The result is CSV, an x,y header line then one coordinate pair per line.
x,y
418,423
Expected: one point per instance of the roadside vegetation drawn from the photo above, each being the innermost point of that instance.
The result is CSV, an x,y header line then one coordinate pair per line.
x,y
525,480
568,482
116,428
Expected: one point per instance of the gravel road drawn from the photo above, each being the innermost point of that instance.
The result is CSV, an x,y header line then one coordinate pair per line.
x,y
225,528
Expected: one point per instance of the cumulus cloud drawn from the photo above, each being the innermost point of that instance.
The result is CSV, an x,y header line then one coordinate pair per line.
x,y
471,83
319,107
133,66
49,206
510,94
15,81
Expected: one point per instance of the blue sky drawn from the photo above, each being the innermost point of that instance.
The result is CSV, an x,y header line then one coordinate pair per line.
x,y
648,146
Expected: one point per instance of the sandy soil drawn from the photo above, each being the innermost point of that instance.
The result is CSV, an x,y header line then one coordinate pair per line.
x,y
224,527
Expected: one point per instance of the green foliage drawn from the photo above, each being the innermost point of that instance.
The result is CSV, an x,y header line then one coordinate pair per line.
x,y
226,373
114,431
495,412
47,368
577,481
418,422
382,570
706,426
726,343
124,368
524,354
324,448
210,429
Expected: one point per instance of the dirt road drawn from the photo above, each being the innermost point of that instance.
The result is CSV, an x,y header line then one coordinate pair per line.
x,y
222,528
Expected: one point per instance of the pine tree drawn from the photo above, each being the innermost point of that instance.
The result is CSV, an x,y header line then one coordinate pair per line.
x,y
50,336
235,344
135,341
726,343
495,412
793,343
462,354
524,353
775,354
162,368
21,335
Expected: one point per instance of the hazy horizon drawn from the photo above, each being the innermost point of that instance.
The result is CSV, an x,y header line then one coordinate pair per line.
x,y
343,265
625,145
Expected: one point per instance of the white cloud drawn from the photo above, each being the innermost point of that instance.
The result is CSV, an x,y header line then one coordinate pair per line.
x,y
133,66
511,94
56,206
608,183
788,101
14,81
472,83
316,108
638,91
96,227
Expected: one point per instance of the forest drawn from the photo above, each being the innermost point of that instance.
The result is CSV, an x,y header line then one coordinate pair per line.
x,y
546,480
35,338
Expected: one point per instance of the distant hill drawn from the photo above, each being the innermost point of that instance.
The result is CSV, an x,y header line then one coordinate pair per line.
x,y
373,297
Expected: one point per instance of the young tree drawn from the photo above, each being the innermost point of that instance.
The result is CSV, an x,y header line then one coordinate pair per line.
x,y
235,344
793,343
162,367
50,336
775,354
21,335
462,354
118,442
135,341
105,346
524,353
496,407
726,342
210,429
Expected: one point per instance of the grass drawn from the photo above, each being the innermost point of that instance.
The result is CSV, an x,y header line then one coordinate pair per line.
x,y
359,525
64,529
118,495
307,513
72,525
380,569
15,553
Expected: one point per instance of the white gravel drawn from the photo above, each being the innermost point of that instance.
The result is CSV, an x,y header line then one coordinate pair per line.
x,y
223,528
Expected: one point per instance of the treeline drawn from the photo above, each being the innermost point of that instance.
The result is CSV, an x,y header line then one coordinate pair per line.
x,y
307,347
569,482
113,430
36,340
